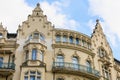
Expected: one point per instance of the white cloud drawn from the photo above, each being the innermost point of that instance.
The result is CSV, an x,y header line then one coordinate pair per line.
x,y
109,10
12,13
55,15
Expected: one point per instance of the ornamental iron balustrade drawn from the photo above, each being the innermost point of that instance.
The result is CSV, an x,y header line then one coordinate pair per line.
x,y
75,67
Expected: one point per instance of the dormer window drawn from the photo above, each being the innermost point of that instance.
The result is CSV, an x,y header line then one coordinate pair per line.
x,y
1,35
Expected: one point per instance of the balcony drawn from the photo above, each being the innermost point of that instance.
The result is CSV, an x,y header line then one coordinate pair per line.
x,y
35,41
75,69
7,68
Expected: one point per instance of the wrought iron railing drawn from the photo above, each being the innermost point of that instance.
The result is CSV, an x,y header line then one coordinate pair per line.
x,y
76,67
7,66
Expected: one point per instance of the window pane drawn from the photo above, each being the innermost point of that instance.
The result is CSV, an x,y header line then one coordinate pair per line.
x,y
42,37
34,54
71,39
26,78
77,41
64,38
1,35
75,62
32,77
41,55
60,58
1,61
36,35
58,38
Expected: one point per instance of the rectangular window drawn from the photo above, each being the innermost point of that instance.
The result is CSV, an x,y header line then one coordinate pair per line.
x,y
34,54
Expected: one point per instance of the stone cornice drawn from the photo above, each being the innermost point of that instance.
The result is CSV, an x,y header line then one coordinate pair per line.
x,y
75,47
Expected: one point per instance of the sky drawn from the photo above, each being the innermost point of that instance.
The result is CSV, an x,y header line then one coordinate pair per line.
x,y
78,15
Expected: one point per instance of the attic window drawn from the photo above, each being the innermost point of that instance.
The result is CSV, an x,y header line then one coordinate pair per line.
x,y
1,35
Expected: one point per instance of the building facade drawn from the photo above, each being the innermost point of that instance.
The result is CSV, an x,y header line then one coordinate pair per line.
x,y
39,51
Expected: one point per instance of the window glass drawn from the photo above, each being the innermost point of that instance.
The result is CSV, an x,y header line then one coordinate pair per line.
x,y
88,64
77,41
64,38
75,62
71,39
1,35
57,38
42,37
31,75
34,54
41,56
1,61
60,58
36,35
26,78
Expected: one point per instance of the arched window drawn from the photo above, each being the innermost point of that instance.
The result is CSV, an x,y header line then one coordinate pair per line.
x,y
64,38
77,41
88,64
1,35
58,38
60,60
60,78
106,72
34,54
71,39
75,62
32,75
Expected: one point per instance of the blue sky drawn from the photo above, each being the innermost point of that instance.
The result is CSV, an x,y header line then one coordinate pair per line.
x,y
78,15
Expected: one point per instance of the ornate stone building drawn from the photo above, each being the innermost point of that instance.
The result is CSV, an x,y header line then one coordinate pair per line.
x,y
39,51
